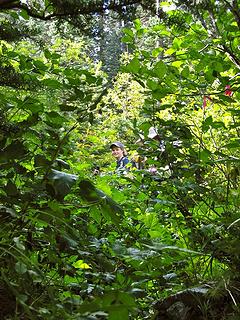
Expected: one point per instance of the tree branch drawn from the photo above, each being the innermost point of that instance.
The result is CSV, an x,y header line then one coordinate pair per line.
x,y
64,11
8,4
232,56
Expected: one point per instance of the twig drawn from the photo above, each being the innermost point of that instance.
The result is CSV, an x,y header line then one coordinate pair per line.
x,y
230,293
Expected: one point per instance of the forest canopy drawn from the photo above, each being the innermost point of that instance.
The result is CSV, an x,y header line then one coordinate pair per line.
x,y
80,240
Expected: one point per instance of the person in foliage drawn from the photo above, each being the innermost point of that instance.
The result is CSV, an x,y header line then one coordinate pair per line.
x,y
120,154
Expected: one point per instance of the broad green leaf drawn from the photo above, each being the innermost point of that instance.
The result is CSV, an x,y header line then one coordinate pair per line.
x,y
218,124
16,150
137,24
34,105
23,13
51,83
226,99
169,51
218,66
90,306
67,107
126,299
55,118
127,39
233,144
160,69
41,161
20,267
133,66
89,78
234,111
95,213
128,32
56,55
80,264
160,93
61,182
205,155
14,15
156,52
47,54
177,43
185,72
40,65
153,85
118,313
177,64
207,123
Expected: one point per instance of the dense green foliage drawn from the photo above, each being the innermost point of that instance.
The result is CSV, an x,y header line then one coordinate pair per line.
x,y
75,245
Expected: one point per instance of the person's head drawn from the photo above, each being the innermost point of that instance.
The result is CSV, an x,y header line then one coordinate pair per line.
x,y
118,150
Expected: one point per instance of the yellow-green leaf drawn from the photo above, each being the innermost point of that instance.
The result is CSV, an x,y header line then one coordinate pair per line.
x,y
80,264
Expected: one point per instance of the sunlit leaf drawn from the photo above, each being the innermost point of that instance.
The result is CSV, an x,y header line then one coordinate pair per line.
x,y
80,264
